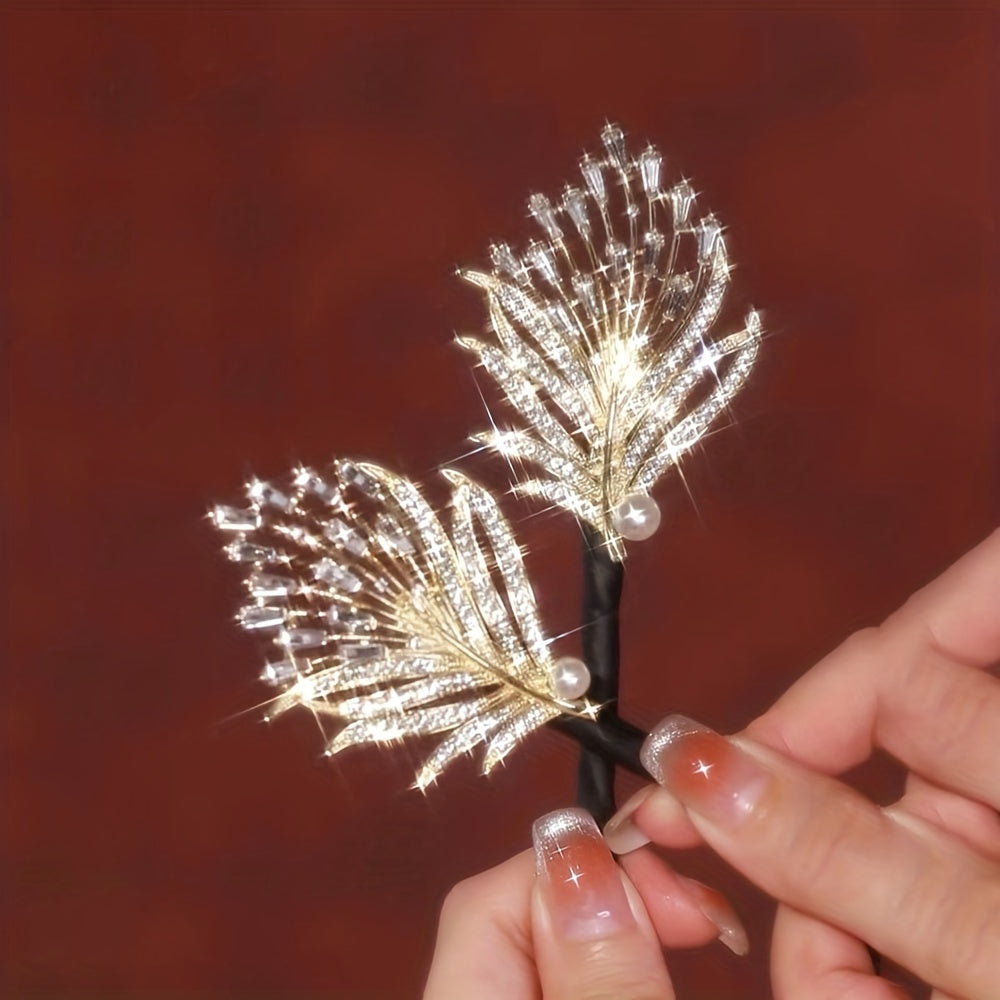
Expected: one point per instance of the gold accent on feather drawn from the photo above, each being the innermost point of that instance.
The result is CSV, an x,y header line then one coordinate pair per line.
x,y
389,624
603,336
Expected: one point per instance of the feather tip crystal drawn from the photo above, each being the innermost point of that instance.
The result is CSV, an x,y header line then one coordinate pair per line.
x,y
602,336
389,624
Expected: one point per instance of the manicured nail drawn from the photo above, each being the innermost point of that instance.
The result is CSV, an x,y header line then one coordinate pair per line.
x,y
720,912
580,883
620,833
704,770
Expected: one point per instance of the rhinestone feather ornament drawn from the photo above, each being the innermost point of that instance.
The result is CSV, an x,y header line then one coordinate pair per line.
x,y
390,625
603,339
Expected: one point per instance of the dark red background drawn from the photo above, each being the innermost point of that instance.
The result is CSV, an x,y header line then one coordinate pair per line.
x,y
228,243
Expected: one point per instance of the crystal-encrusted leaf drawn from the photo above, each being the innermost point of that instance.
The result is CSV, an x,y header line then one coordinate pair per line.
x,y
689,431
604,335
522,394
558,495
341,676
463,740
393,727
525,720
386,623
507,555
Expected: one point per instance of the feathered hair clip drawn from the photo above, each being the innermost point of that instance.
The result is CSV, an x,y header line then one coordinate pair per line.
x,y
603,340
394,624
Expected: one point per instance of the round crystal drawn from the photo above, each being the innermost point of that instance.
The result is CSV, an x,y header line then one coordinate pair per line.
x,y
570,678
636,517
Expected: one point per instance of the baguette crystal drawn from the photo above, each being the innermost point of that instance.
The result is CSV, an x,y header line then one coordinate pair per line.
x,y
389,626
602,336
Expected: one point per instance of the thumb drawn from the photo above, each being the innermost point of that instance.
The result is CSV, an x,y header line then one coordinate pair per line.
x,y
592,937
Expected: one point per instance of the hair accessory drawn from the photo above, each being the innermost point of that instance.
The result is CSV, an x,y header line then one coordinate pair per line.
x,y
602,340
394,626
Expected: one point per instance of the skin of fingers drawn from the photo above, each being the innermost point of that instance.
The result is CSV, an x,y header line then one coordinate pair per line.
x,y
913,892
958,609
484,944
684,913
915,686
592,937
942,720
626,966
829,719
484,947
656,809
810,960
818,958
952,624
977,825
661,811
832,717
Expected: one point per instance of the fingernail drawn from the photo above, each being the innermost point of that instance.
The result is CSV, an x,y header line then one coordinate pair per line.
x,y
704,770
579,881
620,833
720,912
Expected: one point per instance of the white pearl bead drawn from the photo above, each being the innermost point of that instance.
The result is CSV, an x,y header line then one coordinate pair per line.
x,y
570,678
636,517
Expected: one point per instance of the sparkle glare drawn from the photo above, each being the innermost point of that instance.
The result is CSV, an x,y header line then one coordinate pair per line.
x,y
613,381
702,768
438,636
612,371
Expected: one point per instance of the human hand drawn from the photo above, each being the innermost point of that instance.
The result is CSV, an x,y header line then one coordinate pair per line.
x,y
576,931
919,880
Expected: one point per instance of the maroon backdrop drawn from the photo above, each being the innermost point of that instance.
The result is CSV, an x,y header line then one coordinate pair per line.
x,y
229,244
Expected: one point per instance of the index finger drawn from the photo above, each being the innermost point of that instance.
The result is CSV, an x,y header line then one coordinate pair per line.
x,y
913,892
